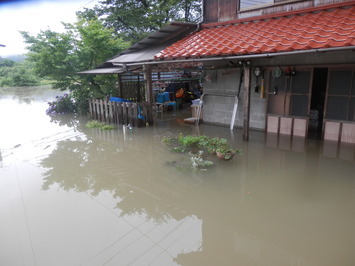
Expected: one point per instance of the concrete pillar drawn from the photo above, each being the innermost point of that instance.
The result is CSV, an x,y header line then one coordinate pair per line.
x,y
246,102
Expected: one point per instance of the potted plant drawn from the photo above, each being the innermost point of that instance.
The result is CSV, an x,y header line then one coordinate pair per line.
x,y
211,144
226,152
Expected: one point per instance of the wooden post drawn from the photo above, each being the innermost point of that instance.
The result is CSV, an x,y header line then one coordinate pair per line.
x,y
246,103
138,89
110,111
90,108
119,85
147,69
102,117
135,114
106,111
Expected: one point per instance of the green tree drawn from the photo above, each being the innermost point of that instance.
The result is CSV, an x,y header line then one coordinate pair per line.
x,y
4,62
135,19
17,74
84,45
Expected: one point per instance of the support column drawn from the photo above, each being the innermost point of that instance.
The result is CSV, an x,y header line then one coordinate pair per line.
x,y
147,70
119,86
138,89
246,103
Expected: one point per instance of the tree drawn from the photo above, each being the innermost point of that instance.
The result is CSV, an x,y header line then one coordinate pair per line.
x,y
135,19
84,45
17,74
4,62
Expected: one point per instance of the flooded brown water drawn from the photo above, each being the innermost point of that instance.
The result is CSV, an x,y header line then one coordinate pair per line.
x,y
71,195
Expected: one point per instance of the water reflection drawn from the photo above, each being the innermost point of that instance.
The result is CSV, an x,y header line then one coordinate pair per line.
x,y
27,95
283,203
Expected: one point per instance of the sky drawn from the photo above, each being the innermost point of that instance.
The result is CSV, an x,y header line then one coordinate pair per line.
x,y
33,16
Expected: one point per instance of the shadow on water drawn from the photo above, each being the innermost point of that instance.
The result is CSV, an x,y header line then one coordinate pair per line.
x,y
283,200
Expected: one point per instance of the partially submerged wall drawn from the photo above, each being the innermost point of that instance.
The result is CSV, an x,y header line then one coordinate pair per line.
x,y
218,109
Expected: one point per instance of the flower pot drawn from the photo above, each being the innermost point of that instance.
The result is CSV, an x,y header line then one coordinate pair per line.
x,y
225,156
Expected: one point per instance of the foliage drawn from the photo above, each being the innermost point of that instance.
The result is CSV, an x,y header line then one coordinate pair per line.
x,y
17,74
212,144
94,124
4,62
192,141
84,45
198,145
226,151
63,104
135,19
97,124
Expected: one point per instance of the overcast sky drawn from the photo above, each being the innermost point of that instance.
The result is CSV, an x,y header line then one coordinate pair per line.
x,y
33,16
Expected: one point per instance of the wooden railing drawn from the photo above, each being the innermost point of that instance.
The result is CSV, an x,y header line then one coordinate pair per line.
x,y
124,113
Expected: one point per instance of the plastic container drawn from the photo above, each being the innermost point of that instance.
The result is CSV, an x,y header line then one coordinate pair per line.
x,y
119,100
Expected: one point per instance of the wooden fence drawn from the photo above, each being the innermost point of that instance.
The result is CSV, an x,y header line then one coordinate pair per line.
x,y
124,113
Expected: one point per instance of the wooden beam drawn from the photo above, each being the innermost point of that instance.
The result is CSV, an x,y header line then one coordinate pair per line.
x,y
246,103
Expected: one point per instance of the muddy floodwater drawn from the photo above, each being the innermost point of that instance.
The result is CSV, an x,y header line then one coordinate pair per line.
x,y
71,195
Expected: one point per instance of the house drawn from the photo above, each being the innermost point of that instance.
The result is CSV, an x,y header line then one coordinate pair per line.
x,y
286,67
297,61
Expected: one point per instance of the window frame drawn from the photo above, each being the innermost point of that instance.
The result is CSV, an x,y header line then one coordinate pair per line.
x,y
349,96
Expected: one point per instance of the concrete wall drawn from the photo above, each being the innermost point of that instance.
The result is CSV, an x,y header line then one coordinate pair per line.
x,y
218,109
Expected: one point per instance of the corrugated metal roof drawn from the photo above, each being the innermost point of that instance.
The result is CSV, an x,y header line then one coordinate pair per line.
x,y
146,49
111,70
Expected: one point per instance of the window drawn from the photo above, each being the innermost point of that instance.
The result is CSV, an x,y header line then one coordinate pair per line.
x,y
245,4
290,94
341,95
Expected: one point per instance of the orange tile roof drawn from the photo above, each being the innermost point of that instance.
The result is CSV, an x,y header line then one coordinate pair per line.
x,y
313,28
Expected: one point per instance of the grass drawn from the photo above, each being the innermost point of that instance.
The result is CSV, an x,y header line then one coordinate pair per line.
x,y
97,124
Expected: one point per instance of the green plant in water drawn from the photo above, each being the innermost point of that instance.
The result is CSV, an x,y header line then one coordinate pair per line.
x,y
226,151
94,124
212,144
108,127
97,124
193,142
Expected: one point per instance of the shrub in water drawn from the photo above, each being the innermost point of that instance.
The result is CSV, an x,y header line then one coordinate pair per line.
x,y
63,104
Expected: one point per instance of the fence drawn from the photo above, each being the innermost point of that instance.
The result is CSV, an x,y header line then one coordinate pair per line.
x,y
124,113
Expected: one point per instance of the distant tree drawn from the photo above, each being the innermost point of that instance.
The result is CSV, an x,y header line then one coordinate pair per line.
x,y
4,62
84,45
17,74
135,19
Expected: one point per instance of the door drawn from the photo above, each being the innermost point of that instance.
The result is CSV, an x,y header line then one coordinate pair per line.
x,y
319,85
